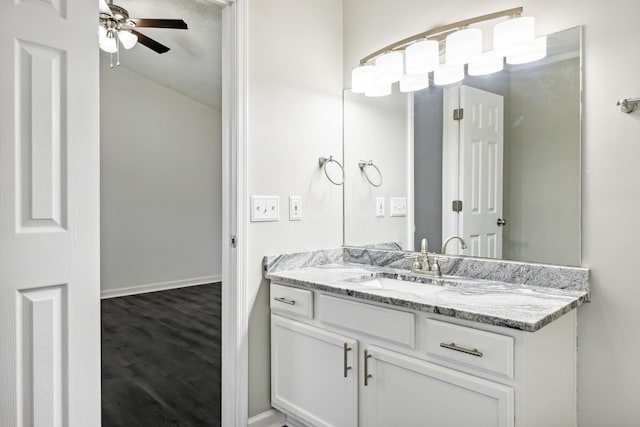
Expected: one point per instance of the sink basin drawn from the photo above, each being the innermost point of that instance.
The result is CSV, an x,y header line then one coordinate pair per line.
x,y
402,286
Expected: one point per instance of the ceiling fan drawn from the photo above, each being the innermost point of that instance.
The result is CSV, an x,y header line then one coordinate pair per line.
x,y
117,28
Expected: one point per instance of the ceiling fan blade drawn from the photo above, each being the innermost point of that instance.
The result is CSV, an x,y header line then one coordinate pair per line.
x,y
104,7
178,24
150,43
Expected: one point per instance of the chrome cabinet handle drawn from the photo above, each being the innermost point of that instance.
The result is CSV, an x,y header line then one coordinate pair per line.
x,y
453,346
367,375
284,300
346,350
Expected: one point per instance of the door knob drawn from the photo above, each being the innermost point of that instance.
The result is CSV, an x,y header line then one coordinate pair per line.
x,y
501,222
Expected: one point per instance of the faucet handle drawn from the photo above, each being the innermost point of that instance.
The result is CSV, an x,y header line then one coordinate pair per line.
x,y
416,263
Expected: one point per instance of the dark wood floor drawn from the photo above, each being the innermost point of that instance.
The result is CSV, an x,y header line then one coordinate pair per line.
x,y
161,358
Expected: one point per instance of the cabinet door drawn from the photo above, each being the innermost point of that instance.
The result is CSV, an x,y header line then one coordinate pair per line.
x,y
314,373
403,391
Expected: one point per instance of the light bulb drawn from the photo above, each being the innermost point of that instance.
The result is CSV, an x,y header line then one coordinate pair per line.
x,y
389,67
488,63
127,38
422,57
537,52
448,74
513,36
463,46
414,82
362,78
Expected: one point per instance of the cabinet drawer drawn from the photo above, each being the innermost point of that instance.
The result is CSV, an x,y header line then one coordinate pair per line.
x,y
481,349
285,299
389,324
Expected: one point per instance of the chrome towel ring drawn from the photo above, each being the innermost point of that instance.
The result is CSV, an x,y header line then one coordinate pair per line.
x,y
323,162
363,164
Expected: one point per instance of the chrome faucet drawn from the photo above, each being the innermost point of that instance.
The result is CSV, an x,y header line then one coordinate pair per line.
x,y
463,245
423,266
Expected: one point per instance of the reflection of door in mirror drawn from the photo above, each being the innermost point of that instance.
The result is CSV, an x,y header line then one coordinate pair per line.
x,y
472,169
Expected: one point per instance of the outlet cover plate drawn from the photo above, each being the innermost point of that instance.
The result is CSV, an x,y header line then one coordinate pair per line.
x,y
398,206
265,208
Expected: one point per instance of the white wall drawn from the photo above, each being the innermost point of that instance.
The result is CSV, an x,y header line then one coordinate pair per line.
x,y
294,117
161,185
375,129
608,348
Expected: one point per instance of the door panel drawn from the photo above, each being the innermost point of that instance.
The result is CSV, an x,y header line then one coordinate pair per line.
x,y
49,214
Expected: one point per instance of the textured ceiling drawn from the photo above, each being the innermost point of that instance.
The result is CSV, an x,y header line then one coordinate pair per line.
x,y
193,65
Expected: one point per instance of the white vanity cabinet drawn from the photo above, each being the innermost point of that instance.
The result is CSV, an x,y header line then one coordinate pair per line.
x,y
314,373
338,361
405,391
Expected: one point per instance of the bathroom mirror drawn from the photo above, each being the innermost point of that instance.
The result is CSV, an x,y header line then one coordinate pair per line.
x,y
516,198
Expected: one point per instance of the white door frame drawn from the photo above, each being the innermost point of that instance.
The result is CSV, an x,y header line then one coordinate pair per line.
x,y
235,312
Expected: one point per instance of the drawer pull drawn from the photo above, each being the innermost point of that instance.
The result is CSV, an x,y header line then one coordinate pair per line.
x,y
453,346
284,300
367,375
346,368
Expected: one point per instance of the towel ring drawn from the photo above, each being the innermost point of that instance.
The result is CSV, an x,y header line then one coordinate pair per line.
x,y
363,167
323,162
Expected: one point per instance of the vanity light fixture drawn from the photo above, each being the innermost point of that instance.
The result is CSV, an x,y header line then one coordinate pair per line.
x,y
421,57
463,46
458,45
534,53
488,63
514,36
414,82
389,67
448,74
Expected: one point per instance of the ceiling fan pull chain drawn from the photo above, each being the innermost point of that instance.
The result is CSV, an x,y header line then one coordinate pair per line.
x,y
117,50
111,58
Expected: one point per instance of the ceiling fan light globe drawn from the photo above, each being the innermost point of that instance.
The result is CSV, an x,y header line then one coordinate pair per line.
x,y
127,38
102,33
104,7
109,44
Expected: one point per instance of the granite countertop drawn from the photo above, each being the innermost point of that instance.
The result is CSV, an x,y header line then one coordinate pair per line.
x,y
519,306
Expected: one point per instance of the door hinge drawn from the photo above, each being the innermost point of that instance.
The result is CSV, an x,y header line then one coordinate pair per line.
x,y
458,114
234,241
456,206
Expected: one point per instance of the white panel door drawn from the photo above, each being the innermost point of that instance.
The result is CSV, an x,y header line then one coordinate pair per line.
x,y
49,214
314,373
481,158
408,392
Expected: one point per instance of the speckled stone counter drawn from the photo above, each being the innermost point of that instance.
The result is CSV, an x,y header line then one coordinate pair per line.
x,y
505,293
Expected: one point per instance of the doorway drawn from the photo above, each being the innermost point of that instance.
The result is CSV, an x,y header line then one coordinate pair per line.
x,y
161,221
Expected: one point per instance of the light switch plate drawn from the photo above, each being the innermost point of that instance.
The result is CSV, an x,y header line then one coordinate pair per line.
x,y
379,207
295,208
398,206
265,208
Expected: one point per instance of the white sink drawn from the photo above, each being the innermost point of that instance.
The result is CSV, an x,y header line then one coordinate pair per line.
x,y
403,286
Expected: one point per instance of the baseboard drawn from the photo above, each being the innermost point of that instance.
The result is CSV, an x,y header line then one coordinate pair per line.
x,y
273,418
162,286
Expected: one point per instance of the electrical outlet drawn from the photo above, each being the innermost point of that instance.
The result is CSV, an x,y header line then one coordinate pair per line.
x,y
379,207
295,208
265,208
398,206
